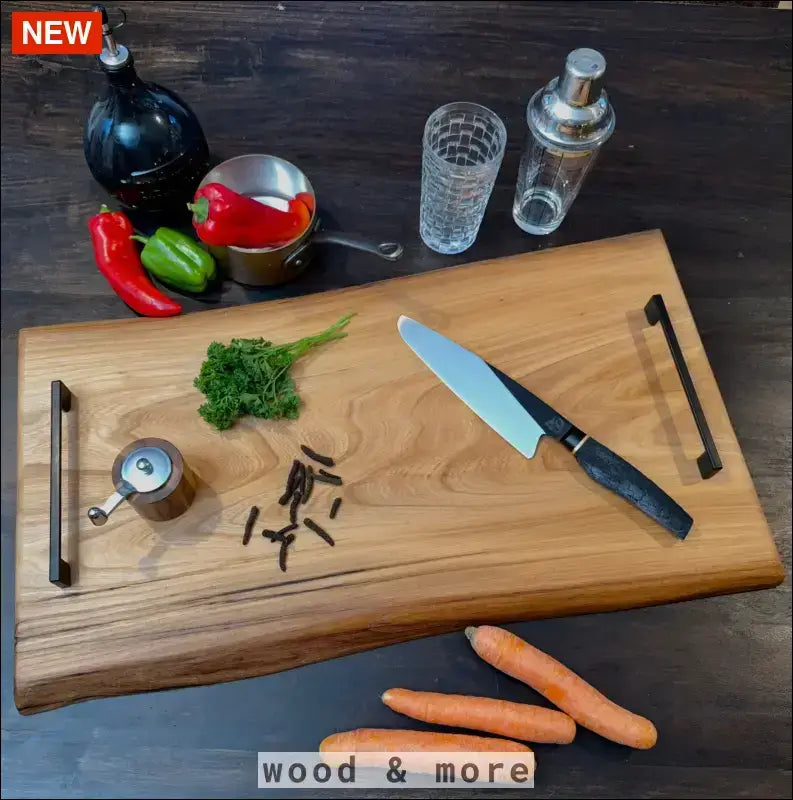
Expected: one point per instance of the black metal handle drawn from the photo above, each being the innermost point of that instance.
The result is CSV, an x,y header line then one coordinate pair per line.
x,y
60,572
709,461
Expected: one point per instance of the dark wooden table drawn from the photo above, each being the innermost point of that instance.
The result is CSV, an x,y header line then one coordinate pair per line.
x,y
702,151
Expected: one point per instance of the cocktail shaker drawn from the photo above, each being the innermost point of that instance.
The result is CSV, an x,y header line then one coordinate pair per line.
x,y
569,121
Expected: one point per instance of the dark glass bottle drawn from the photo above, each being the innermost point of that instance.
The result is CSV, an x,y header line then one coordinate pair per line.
x,y
142,142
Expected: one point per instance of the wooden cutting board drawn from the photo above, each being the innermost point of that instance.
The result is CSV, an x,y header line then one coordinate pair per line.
x,y
443,523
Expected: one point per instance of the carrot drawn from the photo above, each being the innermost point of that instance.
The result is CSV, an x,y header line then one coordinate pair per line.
x,y
516,720
585,704
370,740
373,747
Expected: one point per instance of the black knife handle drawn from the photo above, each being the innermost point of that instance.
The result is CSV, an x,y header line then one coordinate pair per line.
x,y
613,472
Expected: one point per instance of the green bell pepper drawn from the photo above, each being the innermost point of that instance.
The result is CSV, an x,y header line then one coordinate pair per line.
x,y
177,259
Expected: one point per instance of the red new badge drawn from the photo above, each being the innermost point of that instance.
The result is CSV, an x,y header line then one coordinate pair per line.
x,y
52,32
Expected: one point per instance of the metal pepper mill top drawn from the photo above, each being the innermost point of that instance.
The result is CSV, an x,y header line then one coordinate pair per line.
x,y
152,476
573,111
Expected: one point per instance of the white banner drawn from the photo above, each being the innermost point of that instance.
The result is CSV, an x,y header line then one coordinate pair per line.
x,y
395,770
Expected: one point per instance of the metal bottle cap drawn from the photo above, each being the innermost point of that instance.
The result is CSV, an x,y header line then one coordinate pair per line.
x,y
573,111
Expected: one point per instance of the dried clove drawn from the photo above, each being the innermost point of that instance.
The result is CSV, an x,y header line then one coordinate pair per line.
x,y
309,487
292,472
293,507
300,481
326,460
287,528
290,483
251,521
287,540
319,530
334,509
326,477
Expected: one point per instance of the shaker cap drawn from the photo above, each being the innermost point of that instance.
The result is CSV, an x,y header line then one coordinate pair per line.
x,y
580,83
573,110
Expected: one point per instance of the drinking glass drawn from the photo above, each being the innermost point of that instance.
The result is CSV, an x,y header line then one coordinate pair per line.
x,y
462,151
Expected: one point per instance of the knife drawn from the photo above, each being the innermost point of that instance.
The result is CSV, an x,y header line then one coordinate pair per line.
x,y
522,418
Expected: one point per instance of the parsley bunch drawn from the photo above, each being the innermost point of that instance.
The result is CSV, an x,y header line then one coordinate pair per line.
x,y
251,376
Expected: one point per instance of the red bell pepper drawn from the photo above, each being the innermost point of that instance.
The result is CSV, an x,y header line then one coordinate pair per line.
x,y
118,260
222,217
307,199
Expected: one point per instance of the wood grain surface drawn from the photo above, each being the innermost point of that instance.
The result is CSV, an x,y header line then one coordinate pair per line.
x,y
343,89
444,523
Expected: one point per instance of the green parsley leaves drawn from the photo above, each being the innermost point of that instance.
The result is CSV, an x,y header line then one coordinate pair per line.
x,y
251,376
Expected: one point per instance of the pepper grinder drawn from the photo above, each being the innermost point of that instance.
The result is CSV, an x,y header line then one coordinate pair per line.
x,y
569,120
153,477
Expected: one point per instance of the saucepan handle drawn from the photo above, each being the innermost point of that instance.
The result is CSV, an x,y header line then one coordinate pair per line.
x,y
61,400
390,251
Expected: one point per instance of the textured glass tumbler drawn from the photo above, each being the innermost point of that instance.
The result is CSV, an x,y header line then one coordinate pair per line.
x,y
463,147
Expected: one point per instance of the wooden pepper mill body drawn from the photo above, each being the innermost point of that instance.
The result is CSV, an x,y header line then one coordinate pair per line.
x,y
174,497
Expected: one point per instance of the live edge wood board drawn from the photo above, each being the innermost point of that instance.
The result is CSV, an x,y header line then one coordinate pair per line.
x,y
443,523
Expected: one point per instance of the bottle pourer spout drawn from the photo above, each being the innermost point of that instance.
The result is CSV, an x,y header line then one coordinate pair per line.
x,y
113,54
108,40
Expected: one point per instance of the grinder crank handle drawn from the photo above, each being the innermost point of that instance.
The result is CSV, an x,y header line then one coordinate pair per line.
x,y
99,514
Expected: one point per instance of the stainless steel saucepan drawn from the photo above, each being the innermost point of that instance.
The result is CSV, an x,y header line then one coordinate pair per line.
x,y
274,181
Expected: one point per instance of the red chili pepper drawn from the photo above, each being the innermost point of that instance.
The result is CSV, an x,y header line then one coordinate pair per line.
x,y
118,260
222,217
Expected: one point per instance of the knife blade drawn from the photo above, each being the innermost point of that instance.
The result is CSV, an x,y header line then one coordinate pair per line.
x,y
522,418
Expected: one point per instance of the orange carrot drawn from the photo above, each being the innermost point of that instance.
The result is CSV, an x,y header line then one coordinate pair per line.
x,y
585,704
516,720
383,739
373,747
